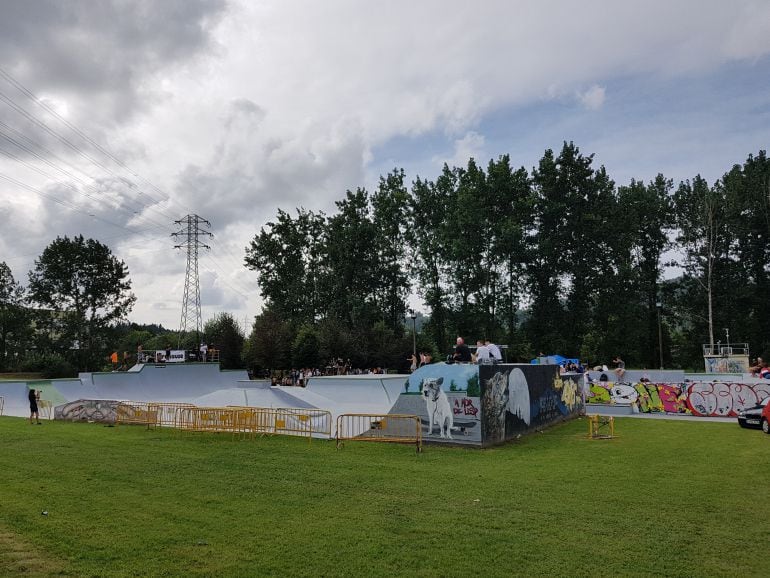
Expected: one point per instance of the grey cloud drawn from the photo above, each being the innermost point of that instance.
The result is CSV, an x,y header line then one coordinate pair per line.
x,y
103,49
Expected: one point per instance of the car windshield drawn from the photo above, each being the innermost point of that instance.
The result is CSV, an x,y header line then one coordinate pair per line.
x,y
764,402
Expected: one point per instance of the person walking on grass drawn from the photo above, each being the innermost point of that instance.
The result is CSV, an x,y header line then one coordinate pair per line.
x,y
33,411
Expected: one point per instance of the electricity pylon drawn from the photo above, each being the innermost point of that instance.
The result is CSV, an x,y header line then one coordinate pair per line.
x,y
191,302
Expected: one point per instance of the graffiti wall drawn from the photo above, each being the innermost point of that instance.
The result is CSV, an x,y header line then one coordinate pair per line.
x,y
87,410
701,398
518,398
483,405
446,397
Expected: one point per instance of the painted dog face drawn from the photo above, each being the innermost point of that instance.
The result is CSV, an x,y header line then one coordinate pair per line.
x,y
431,388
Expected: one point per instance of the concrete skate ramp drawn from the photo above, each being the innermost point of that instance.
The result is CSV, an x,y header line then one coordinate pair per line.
x,y
15,394
349,393
170,382
260,396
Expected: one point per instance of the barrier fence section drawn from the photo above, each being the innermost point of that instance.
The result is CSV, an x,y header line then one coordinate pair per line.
x,y
45,408
135,412
165,414
244,420
601,427
2,403
303,422
392,428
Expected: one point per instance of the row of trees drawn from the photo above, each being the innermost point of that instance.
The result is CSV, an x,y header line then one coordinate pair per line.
x,y
72,314
557,259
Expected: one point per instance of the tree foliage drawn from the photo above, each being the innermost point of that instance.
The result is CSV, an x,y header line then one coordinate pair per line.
x,y
87,289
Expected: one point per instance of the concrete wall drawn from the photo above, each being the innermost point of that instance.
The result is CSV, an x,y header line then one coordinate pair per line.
x,y
488,404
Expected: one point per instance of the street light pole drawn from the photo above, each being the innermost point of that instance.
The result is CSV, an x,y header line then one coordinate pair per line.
x,y
660,334
414,332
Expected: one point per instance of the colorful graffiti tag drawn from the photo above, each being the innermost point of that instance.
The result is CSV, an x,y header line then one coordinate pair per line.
x,y
701,398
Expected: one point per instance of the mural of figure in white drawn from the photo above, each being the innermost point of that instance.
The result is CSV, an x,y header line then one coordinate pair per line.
x,y
518,395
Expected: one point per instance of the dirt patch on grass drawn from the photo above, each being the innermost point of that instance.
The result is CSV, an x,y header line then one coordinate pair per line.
x,y
20,558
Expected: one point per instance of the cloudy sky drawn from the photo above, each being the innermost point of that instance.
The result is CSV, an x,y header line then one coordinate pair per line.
x,y
118,117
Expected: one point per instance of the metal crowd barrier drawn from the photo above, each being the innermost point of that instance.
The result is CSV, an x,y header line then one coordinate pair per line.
x,y
243,420
135,412
165,414
46,408
392,428
601,427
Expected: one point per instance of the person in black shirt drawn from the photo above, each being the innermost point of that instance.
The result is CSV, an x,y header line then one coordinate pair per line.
x,y
33,411
462,353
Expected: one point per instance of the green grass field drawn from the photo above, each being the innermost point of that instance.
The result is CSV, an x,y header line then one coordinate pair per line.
x,y
676,498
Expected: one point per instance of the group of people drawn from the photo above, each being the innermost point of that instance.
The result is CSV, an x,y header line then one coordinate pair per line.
x,y
760,369
486,352
425,359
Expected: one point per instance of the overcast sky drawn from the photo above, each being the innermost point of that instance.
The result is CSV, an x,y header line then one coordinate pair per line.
x,y
232,109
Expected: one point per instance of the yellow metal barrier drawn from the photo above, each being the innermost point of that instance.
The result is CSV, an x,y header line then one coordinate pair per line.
x,y
135,412
303,422
45,408
166,414
243,420
601,427
393,428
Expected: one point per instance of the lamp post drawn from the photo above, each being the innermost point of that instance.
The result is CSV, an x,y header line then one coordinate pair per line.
x,y
413,317
659,305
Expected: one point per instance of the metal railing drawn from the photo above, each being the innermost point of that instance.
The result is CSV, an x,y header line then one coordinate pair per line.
x,y
392,428
725,349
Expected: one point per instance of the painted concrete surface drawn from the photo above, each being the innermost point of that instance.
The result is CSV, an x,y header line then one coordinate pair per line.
x,y
148,382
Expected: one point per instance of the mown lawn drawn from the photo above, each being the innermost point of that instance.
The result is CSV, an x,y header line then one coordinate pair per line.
x,y
676,498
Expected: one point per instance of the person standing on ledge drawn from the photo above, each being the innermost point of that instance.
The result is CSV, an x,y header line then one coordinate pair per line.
x,y
33,411
620,369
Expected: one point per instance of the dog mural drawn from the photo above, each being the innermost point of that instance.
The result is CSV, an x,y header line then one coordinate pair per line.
x,y
494,403
438,408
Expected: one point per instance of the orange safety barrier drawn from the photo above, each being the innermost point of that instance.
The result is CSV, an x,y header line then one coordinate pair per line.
x,y
394,428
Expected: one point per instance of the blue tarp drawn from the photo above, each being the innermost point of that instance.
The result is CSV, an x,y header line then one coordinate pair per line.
x,y
554,360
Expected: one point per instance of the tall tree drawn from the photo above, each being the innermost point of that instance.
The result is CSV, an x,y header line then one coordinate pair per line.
x,y
15,329
87,287
350,272
269,344
509,209
286,254
428,233
704,237
389,215
223,333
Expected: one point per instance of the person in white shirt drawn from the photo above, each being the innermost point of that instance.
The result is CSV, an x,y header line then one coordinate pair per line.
x,y
482,353
494,350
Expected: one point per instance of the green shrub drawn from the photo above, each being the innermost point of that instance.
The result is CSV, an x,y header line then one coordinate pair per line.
x,y
49,365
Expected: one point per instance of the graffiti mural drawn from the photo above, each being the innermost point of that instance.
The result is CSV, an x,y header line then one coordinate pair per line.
x,y
87,410
520,398
701,398
482,405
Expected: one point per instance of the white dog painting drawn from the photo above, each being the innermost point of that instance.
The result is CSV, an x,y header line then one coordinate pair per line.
x,y
438,408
